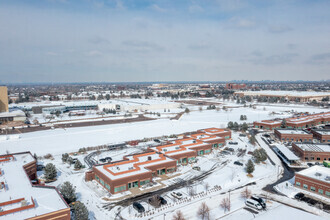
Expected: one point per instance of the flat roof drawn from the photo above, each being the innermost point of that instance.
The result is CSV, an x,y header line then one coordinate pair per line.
x,y
292,131
19,186
286,93
136,164
323,132
287,152
317,172
314,147
269,122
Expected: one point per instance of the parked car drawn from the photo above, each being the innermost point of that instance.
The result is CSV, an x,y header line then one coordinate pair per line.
x,y
156,140
232,142
40,167
254,204
266,135
177,195
103,160
196,168
162,200
299,196
242,135
310,164
108,159
250,152
138,207
260,200
238,163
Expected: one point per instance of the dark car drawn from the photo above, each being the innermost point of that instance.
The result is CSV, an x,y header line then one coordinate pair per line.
x,y
138,207
231,142
103,160
266,135
162,200
40,167
260,200
242,135
310,164
299,196
108,158
238,163
156,140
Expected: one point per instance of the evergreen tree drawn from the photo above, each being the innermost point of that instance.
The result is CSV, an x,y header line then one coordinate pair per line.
x,y
244,126
78,165
235,126
68,192
241,117
283,124
107,97
65,157
249,167
230,125
187,110
259,155
80,211
50,171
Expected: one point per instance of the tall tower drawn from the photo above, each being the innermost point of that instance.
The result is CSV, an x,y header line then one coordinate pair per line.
x,y
3,99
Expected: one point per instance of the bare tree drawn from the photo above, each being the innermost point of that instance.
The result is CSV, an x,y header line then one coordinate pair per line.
x,y
191,191
207,186
246,193
155,201
178,216
204,211
225,204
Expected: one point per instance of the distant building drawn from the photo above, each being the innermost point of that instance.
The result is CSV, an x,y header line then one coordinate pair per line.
x,y
312,152
235,86
315,179
307,121
293,135
267,124
3,99
20,198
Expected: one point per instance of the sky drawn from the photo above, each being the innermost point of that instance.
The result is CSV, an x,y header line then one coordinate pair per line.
x,y
159,40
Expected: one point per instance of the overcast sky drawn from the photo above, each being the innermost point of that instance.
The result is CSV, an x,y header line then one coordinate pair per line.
x,y
158,40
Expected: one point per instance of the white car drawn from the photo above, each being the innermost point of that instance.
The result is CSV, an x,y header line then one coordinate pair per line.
x,y
177,195
253,203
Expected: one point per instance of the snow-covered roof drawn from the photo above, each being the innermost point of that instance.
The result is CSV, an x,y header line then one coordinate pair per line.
x,y
317,172
15,113
136,164
323,132
314,147
292,131
286,152
18,186
286,93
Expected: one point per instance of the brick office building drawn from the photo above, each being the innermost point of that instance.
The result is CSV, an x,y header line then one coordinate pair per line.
x,y
20,199
315,179
308,120
312,152
322,135
134,171
293,135
267,124
138,170
235,86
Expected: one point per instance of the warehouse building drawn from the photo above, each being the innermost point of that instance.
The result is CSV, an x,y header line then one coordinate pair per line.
x,y
20,199
315,179
308,121
312,152
286,135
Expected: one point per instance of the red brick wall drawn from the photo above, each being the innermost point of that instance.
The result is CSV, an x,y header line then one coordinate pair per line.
x,y
312,182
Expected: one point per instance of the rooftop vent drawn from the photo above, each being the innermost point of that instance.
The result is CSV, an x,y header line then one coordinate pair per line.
x,y
177,148
318,174
327,178
149,157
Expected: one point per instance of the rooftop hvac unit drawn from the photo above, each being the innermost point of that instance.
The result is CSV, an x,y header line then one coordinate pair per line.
x,y
23,203
318,174
194,141
177,148
149,157
327,178
130,168
165,150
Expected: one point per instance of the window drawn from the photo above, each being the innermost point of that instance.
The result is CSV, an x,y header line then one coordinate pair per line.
x,y
305,186
306,158
144,182
327,193
318,158
313,188
321,191
107,186
102,182
297,184
97,178
120,188
171,170
312,158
